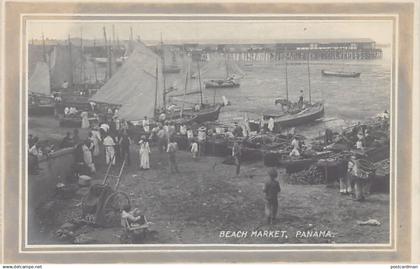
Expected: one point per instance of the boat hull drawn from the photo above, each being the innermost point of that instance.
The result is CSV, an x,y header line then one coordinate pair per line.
x,y
204,116
296,120
220,84
340,74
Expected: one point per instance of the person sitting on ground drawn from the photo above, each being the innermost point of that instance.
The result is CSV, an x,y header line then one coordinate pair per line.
x,y
67,141
132,216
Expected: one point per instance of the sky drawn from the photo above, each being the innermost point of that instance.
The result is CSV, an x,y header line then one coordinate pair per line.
x,y
202,30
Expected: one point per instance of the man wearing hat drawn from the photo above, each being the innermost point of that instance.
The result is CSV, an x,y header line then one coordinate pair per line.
x,y
271,190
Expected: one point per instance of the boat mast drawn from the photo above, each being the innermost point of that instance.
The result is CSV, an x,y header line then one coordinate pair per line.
x,y
185,91
309,77
156,88
108,55
226,65
199,82
163,72
71,63
94,62
287,81
44,53
82,69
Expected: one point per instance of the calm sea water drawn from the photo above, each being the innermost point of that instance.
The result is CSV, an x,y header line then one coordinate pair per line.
x,y
346,100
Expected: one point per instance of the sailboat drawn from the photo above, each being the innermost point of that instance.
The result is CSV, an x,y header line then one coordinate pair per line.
x,y
172,68
199,112
222,74
295,114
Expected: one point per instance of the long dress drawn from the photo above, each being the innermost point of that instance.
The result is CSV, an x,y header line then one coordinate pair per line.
x,y
144,155
96,137
109,150
85,120
87,158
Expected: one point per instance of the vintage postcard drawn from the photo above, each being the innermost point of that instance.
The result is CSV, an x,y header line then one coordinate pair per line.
x,y
208,132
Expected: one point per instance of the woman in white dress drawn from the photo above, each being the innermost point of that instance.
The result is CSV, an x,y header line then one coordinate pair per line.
x,y
144,154
85,120
95,138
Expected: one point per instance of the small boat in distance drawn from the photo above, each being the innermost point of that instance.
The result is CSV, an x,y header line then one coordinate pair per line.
x,y
340,74
221,83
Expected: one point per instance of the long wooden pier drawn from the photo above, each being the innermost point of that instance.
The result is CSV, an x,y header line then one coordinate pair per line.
x,y
267,55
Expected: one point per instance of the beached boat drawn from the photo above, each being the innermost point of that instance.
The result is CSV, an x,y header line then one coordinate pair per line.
x,y
307,115
340,74
296,113
207,114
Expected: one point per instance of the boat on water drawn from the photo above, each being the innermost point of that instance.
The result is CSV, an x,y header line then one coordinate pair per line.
x,y
199,112
221,74
296,113
340,74
221,83
171,69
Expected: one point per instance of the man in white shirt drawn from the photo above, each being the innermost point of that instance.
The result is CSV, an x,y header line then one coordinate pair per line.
x,y
201,137
109,150
146,124
271,124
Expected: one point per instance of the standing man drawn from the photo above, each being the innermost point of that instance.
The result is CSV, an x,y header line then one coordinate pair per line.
x,y
146,125
271,190
172,148
125,147
237,154
201,138
300,102
271,124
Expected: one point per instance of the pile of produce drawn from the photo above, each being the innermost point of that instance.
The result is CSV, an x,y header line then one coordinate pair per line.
x,y
311,176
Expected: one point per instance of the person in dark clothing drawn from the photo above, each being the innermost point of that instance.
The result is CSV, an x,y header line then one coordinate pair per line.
x,y
238,132
76,138
237,155
300,102
67,141
124,142
271,190
328,138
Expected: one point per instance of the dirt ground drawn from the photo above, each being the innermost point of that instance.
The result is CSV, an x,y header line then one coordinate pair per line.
x,y
206,198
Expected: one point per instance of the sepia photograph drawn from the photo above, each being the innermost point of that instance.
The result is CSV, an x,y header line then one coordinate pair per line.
x,y
218,131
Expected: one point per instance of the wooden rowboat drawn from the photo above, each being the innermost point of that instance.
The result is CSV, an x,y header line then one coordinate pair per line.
x,y
340,74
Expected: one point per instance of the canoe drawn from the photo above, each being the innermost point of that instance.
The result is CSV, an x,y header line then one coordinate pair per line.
x,y
340,74
305,116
